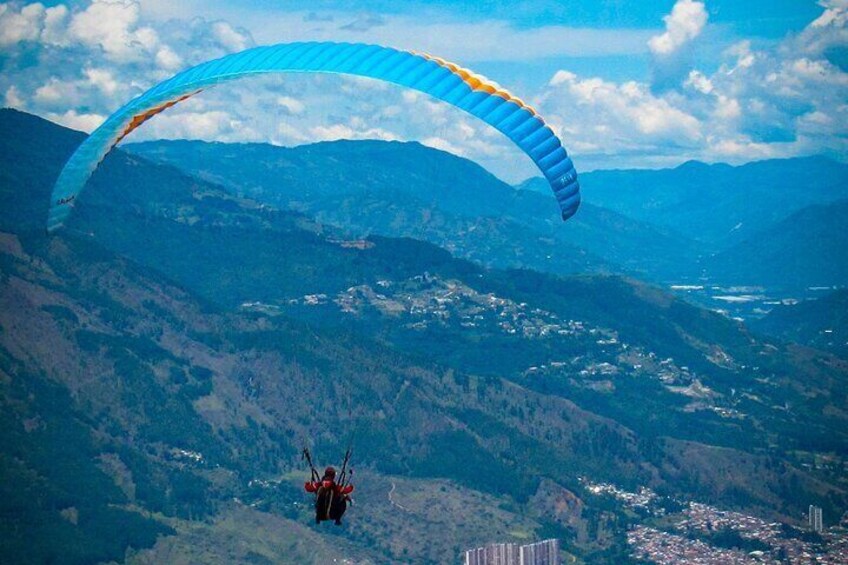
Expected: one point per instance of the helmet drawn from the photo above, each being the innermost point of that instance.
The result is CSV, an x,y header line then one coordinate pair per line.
x,y
329,472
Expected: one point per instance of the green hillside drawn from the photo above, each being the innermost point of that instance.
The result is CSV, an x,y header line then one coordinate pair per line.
x,y
173,349
821,323
408,190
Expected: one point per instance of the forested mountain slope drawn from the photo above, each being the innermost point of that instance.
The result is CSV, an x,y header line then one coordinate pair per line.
x,y
409,190
176,346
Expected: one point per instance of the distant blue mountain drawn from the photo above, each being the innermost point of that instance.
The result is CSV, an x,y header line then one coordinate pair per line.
x,y
809,248
667,225
406,189
718,205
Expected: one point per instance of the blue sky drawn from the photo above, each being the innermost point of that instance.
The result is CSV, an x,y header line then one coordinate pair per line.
x,y
625,83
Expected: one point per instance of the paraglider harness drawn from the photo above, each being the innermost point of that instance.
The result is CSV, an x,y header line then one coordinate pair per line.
x,y
330,501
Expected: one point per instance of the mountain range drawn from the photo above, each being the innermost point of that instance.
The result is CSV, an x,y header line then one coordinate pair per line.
x,y
164,358
409,190
719,205
808,248
692,224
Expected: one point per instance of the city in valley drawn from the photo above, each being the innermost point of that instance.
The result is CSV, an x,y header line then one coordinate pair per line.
x,y
669,531
673,531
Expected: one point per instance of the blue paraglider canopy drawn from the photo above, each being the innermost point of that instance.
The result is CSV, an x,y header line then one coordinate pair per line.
x,y
434,76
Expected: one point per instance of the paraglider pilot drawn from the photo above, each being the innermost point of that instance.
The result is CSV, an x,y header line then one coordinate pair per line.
x,y
330,498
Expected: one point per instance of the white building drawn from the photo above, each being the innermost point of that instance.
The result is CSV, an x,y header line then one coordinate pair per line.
x,y
493,554
541,553
816,519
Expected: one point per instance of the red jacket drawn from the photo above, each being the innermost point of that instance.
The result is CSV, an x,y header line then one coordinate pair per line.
x,y
313,486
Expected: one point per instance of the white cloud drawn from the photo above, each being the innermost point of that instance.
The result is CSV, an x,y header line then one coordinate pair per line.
x,y
835,14
443,144
742,149
96,87
168,60
13,98
103,80
112,26
23,25
685,22
466,130
756,101
55,21
457,39
86,122
357,130
292,105
229,37
561,77
93,57
742,52
198,122
55,92
699,82
288,134
727,108
780,100
629,110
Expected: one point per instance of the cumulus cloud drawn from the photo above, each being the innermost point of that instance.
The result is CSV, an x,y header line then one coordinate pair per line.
x,y
22,25
113,27
783,100
627,107
199,124
443,144
829,28
353,130
758,100
81,121
699,81
462,39
114,30
685,22
629,110
167,60
78,63
52,92
55,21
13,98
229,37
103,80
673,50
291,104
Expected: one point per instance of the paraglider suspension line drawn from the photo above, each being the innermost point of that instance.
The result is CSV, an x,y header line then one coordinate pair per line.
x,y
308,456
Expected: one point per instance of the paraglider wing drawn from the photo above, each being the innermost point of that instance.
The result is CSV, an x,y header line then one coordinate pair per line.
x,y
431,75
